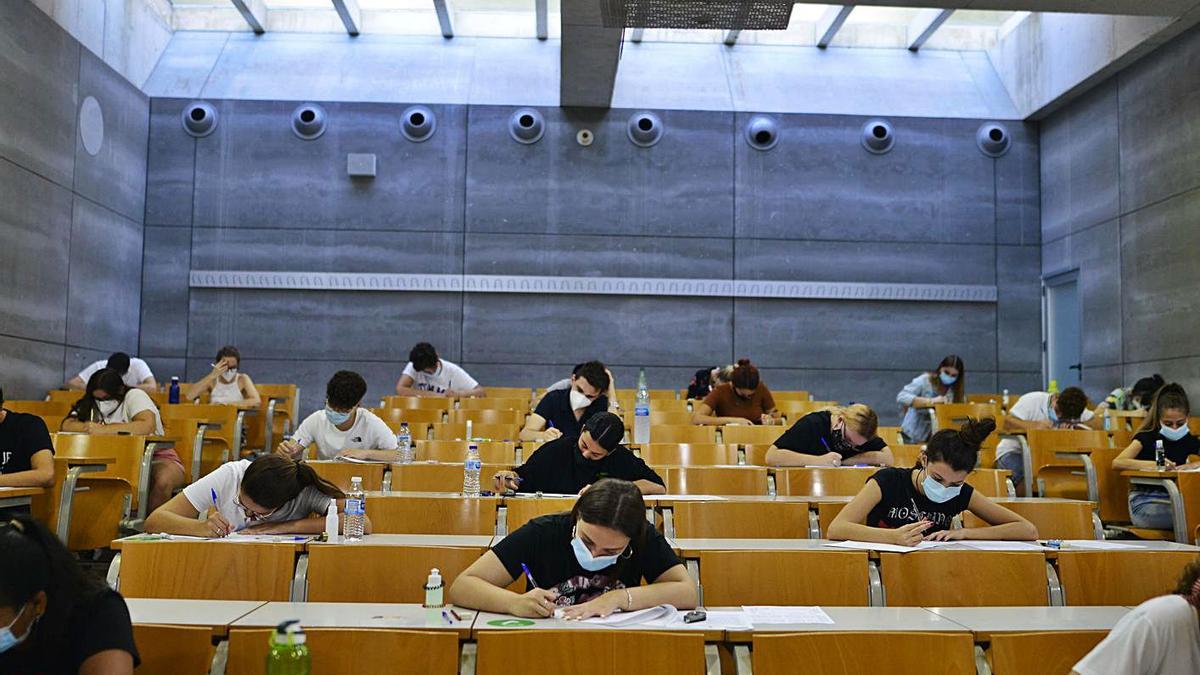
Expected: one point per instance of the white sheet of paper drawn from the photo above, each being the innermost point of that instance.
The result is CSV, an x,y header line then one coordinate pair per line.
x,y
691,498
355,460
240,538
1097,545
780,614
988,545
890,548
726,620
659,614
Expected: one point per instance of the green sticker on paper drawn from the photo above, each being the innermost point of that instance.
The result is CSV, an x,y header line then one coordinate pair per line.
x,y
510,623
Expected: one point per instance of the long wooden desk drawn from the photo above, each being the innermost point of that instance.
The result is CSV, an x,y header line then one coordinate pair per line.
x,y
357,615
15,497
987,621
1183,489
216,614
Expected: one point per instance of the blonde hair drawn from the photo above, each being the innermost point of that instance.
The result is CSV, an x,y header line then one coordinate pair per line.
x,y
724,374
859,417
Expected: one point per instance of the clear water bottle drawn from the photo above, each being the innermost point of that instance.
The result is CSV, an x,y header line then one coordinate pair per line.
x,y
471,469
1160,455
173,392
288,653
1004,399
404,444
641,410
356,511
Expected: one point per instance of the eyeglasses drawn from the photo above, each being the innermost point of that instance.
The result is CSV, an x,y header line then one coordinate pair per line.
x,y
251,514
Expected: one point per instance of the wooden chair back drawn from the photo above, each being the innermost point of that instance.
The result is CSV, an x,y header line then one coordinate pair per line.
x,y
793,395
655,394
1053,519
953,578
680,433
822,481
990,482
382,573
515,403
40,408
1044,444
350,651
818,577
519,511
1048,652
68,396
905,653
205,571
906,454
593,652
437,476
751,435
741,520
491,432
166,650
394,514
509,392
1068,481
688,454
670,417
129,452
491,452
395,416
419,431
514,418
986,398
97,507
954,415
794,410
1125,420
715,480
339,473
1126,577
427,402
890,435
221,420
287,413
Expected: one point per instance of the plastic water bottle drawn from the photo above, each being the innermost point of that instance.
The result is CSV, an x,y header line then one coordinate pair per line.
x,y
331,523
288,654
471,469
404,444
1004,399
356,511
1053,388
1160,455
434,590
173,392
641,410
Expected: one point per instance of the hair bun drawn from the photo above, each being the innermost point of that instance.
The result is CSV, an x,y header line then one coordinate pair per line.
x,y
975,432
743,362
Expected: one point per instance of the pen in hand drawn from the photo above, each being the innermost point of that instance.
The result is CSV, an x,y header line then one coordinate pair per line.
x,y
529,575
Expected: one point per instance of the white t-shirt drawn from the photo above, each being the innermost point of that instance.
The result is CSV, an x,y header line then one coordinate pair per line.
x,y
138,371
226,480
1160,636
368,433
448,376
135,402
227,392
1032,407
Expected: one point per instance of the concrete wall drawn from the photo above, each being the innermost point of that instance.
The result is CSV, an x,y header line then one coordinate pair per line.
x,y
1120,199
700,204
129,35
70,220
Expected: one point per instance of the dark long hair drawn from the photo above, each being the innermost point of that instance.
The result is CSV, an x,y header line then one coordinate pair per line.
x,y
107,379
274,480
32,560
1168,397
617,505
959,385
960,447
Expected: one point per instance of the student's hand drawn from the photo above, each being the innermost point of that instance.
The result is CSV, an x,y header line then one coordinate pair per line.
x,y
356,454
947,535
219,369
1170,466
601,606
536,604
1190,466
827,459
217,525
767,420
735,421
911,534
506,480
290,449
551,434
936,400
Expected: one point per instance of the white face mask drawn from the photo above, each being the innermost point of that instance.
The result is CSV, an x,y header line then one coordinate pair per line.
x,y
578,400
229,376
107,407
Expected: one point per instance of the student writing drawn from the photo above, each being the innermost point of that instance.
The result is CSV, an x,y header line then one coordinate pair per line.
x,y
343,428
1149,506
833,437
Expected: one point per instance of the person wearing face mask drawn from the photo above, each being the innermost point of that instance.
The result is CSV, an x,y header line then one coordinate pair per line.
x,y
1137,397
745,399
271,495
224,384
569,464
342,428
54,619
905,506
832,437
944,384
589,562
1040,410
1149,506
427,374
563,412
134,372
610,393
108,407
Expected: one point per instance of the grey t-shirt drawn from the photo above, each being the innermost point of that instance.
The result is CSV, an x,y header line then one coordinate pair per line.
x,y
226,481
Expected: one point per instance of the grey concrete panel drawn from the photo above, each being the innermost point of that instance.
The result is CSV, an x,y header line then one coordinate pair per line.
x,y
104,305
543,375
584,256
327,250
1185,371
296,325
78,358
672,75
515,72
1018,190
35,218
171,165
1079,157
864,335
164,368
39,73
1018,383
1159,279
819,183
1018,308
311,375
865,261
1094,252
186,64
665,332
30,368
164,313
1160,139
1098,381
116,177
254,172
679,187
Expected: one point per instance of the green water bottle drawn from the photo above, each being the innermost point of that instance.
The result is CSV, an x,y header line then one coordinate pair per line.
x,y
289,653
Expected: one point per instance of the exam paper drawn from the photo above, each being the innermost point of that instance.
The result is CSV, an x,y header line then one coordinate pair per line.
x,y
355,460
660,614
1097,545
890,548
779,614
988,545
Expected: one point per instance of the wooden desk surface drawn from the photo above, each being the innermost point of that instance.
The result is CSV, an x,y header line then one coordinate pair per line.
x,y
356,615
1168,475
487,621
864,619
9,492
987,621
75,460
217,614
468,540
301,541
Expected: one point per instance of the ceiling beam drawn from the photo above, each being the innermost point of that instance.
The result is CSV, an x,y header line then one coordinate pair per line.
x,y
542,10
831,22
1128,7
924,25
731,37
350,15
255,14
443,13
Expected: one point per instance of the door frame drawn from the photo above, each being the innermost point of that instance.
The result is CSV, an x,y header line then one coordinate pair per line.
x,y
1059,278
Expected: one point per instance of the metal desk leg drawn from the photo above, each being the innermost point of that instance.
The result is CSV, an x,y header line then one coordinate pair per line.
x,y
220,658
1054,589
67,498
772,490
114,573
144,477
466,663
1097,526
269,427
1027,460
300,580
814,524
982,667
876,593
502,521
1178,514
712,660
669,522
693,568
742,663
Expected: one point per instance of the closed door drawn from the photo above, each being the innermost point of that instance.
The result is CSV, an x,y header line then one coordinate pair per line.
x,y
1063,336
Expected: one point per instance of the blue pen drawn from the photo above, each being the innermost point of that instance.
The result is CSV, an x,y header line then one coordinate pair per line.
x,y
827,448
447,617
214,498
529,575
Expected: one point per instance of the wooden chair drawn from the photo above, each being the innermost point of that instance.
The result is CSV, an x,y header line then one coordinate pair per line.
x,y
526,393
40,408
890,435
1126,577
906,454
351,651
893,652
168,650
670,418
954,415
740,520
1121,439
818,577
990,482
427,402
957,578
518,404
593,652
826,512
1070,482
220,426
738,434
1048,652
1125,420
420,431
382,573
207,571
92,515
791,396
820,481
688,454
1053,519
493,432
677,433
340,473
521,510
68,396
480,417
492,452
395,416
437,477
715,480
394,514
794,410
756,454
1044,444
132,455
277,415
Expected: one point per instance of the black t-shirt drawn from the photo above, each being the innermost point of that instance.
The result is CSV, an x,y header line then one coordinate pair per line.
x,y
559,467
901,504
1176,451
21,436
97,626
544,545
555,407
813,435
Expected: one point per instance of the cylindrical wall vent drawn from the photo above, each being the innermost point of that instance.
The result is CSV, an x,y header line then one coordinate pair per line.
x,y
645,129
527,126
199,119
418,123
762,133
878,137
993,139
309,121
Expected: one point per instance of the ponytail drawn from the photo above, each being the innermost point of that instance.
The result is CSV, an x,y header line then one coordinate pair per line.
x,y
274,480
960,447
308,477
745,375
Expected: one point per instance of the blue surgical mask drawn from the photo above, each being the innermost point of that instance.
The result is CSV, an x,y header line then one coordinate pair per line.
x,y
1173,434
936,492
588,561
7,639
336,418
1052,414
947,379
